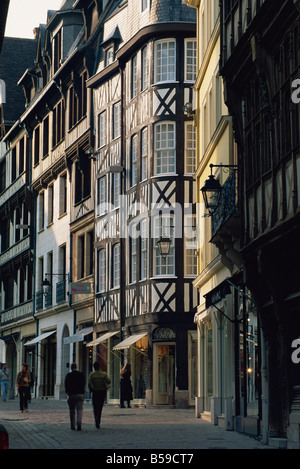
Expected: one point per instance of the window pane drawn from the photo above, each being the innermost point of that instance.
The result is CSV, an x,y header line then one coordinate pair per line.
x,y
165,61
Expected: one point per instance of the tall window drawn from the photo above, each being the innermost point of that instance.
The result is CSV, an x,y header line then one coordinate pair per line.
x,y
164,148
164,226
144,246
62,194
102,198
165,60
190,246
133,76
50,203
21,156
89,252
190,69
58,130
189,148
116,120
57,50
116,189
45,137
13,164
36,145
2,176
144,146
116,265
133,259
41,210
101,270
82,179
102,129
134,160
144,68
80,256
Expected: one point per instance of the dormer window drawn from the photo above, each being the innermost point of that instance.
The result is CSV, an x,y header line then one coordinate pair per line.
x,y
109,55
57,50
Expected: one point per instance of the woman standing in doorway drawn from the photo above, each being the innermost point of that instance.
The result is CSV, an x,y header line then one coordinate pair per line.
x,y
125,385
23,383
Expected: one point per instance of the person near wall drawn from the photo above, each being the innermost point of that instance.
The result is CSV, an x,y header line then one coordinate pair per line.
x,y
4,380
23,383
74,385
98,383
125,386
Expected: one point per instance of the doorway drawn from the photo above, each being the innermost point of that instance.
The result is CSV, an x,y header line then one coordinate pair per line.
x,y
164,373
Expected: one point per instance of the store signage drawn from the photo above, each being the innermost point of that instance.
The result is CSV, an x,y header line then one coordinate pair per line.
x,y
77,288
217,294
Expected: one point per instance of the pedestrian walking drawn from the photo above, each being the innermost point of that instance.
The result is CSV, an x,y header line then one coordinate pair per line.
x,y
23,382
98,384
125,386
74,385
4,380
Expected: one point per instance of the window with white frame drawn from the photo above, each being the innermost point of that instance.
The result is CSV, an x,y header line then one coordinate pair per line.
x,y
117,120
133,258
189,148
102,195
164,226
144,5
164,148
133,76
144,148
101,270
116,188
190,246
102,129
165,60
144,68
144,248
133,151
116,265
190,65
109,56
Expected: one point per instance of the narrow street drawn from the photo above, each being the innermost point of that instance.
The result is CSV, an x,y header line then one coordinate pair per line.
x,y
46,426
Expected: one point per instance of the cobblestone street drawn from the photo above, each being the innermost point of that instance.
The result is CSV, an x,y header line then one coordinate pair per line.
x,y
46,426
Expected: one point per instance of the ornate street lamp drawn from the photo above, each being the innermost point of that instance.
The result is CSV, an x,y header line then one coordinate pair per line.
x,y
164,244
212,189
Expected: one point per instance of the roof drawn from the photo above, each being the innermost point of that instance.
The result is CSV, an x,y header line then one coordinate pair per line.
x,y
17,55
4,4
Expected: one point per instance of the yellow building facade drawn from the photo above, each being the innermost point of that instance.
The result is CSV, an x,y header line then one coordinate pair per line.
x,y
219,269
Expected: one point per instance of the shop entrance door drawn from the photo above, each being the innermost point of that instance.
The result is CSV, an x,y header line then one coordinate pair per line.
x,y
164,374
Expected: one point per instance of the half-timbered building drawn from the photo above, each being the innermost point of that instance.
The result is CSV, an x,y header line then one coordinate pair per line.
x,y
16,207
144,156
260,67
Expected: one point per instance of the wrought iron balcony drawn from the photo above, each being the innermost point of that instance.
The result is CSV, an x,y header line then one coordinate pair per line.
x,y
225,219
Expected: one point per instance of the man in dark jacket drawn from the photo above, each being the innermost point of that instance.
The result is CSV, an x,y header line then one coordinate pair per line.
x,y
75,384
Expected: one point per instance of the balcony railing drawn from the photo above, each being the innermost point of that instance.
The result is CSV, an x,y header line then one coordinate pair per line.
x,y
60,291
228,204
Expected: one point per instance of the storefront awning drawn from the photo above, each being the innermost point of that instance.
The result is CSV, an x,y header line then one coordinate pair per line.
x,y
39,338
101,339
129,341
79,336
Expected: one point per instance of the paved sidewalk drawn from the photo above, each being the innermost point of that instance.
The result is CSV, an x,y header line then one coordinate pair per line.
x,y
46,426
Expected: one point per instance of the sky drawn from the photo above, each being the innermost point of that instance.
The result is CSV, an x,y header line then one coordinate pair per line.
x,y
25,15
